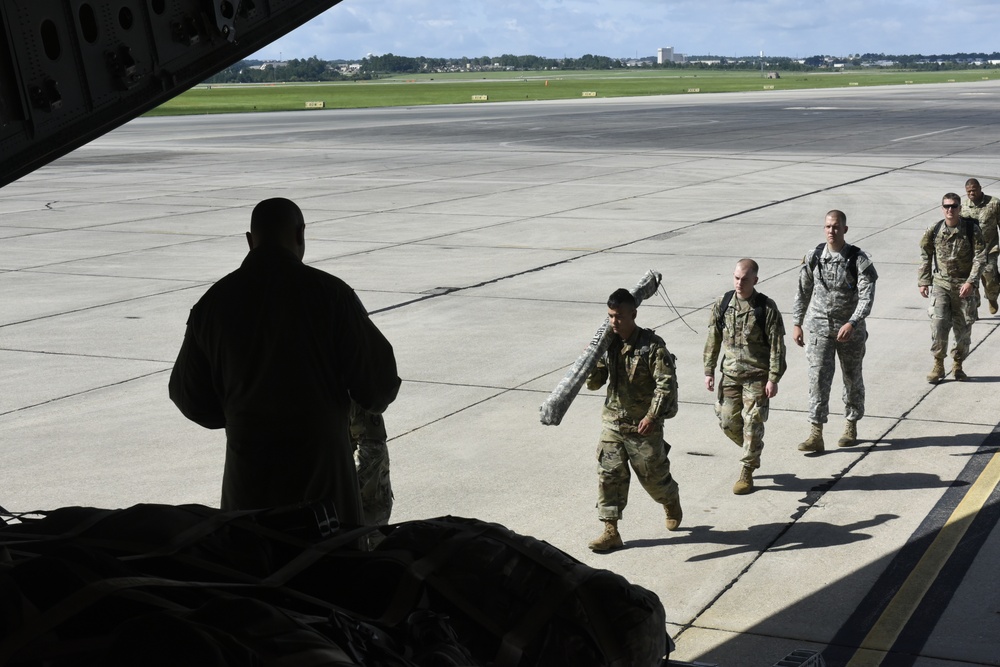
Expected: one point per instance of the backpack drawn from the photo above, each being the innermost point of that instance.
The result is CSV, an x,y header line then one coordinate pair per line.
x,y
852,262
758,303
969,232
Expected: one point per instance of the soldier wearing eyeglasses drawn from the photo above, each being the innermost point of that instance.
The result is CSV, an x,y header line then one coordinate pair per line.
x,y
952,260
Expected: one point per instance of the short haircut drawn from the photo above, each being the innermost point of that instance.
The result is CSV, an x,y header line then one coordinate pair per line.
x,y
748,263
952,196
621,297
840,216
972,181
276,218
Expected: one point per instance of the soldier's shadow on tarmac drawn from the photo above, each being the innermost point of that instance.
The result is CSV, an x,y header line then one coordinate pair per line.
x,y
883,481
959,440
814,535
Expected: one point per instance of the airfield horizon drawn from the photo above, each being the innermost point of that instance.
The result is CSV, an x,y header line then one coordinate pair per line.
x,y
486,87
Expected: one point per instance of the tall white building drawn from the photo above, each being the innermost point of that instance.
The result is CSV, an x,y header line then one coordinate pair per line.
x,y
667,55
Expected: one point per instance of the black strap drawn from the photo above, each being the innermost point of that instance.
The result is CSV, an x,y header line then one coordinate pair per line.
x,y
759,304
850,254
969,232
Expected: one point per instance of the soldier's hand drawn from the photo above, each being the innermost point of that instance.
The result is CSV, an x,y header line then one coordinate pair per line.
x,y
965,291
797,335
924,290
846,333
710,382
645,426
771,389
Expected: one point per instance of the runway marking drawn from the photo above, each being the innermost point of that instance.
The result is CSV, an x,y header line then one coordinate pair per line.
x,y
894,617
929,134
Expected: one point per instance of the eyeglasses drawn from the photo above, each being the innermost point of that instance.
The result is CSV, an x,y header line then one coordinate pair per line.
x,y
951,206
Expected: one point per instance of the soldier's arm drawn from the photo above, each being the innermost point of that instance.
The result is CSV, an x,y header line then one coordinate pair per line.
x,y
992,222
776,337
978,256
804,292
866,289
924,276
664,377
713,344
191,384
599,375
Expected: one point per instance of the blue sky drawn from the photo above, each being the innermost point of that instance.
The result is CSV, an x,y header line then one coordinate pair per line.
x,y
626,28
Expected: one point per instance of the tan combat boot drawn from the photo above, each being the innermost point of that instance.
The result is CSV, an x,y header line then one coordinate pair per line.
x,y
744,484
937,373
956,370
850,437
993,306
814,443
609,539
674,514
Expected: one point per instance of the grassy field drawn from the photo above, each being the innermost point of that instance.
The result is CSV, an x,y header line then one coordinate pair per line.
x,y
462,88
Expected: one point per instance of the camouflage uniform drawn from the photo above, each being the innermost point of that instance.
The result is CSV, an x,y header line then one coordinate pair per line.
x,y
371,457
958,262
988,215
830,295
753,353
642,382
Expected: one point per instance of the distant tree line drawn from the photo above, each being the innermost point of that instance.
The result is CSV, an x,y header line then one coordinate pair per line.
x,y
315,69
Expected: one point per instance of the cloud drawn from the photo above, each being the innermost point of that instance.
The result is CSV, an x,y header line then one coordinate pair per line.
x,y
624,28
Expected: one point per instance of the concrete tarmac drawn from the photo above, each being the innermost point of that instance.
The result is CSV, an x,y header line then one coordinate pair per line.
x,y
485,239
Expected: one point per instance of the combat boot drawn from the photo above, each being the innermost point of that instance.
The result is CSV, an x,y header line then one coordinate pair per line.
x,y
993,306
956,370
609,539
674,513
850,437
814,443
937,373
744,484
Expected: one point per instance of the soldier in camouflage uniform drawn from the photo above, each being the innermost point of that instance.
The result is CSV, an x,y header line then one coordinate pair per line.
x,y
953,257
746,327
835,295
986,210
371,458
642,393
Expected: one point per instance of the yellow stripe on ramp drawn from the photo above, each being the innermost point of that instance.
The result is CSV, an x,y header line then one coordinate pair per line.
x,y
885,631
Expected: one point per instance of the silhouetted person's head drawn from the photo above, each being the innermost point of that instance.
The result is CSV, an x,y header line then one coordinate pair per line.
x,y
278,222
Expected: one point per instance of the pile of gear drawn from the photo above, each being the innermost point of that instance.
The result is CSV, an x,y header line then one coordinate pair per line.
x,y
169,585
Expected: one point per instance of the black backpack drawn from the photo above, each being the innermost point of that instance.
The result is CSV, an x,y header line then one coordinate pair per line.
x,y
758,302
852,262
970,223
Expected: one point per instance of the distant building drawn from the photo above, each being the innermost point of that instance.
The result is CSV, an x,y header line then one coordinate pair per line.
x,y
666,55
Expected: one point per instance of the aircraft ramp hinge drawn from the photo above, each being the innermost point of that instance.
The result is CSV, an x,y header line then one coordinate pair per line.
x,y
46,97
123,67
225,18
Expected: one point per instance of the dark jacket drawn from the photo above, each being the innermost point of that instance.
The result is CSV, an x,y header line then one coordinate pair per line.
x,y
273,353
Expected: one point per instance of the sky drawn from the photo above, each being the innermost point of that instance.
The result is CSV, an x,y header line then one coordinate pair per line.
x,y
353,29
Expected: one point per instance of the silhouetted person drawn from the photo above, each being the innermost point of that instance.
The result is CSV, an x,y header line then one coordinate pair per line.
x,y
274,352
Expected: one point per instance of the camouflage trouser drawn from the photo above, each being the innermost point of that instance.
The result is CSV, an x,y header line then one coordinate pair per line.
x,y
820,353
742,411
647,455
991,286
371,457
949,311
372,460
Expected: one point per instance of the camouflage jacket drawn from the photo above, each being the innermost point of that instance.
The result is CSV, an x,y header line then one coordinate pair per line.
x,y
958,261
750,349
830,294
642,381
987,213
